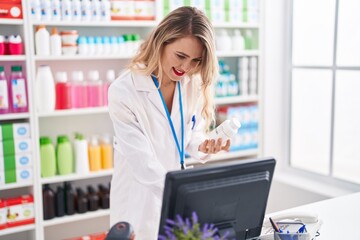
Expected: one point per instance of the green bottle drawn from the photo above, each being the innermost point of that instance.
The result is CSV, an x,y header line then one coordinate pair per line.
x,y
47,157
64,155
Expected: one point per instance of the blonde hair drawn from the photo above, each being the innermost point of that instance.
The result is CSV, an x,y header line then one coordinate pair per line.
x,y
182,22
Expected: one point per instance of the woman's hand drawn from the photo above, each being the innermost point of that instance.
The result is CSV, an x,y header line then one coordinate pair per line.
x,y
211,146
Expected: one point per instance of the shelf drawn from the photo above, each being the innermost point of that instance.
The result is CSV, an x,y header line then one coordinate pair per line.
x,y
73,112
5,21
12,230
76,217
82,57
75,177
244,53
12,58
235,25
98,24
13,116
227,156
15,185
235,99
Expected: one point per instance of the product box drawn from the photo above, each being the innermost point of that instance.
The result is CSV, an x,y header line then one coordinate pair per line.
x,y
18,175
122,10
16,161
14,131
2,214
145,10
20,210
11,9
15,146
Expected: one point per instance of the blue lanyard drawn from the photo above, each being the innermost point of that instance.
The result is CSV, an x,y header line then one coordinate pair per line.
x,y
181,150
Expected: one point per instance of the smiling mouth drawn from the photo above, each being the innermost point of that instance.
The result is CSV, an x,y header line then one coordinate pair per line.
x,y
178,73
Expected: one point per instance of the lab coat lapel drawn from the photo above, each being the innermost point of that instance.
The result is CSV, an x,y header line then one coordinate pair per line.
x,y
144,83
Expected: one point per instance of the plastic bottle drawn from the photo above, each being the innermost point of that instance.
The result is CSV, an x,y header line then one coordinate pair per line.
x,y
2,45
64,155
238,42
85,10
93,199
60,202
48,202
81,154
55,43
114,46
4,92
42,41
18,90
83,46
106,153
79,88
94,90
94,154
226,130
63,90
55,10
35,10
105,10
99,45
45,10
95,10
91,45
15,45
233,86
45,89
104,196
76,10
110,77
248,39
243,74
47,157
6,45
223,41
82,201
69,199
106,45
66,10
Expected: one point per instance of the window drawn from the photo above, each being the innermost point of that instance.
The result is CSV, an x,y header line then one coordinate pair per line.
x,y
325,88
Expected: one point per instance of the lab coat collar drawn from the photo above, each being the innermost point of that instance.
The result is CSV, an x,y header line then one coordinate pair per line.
x,y
146,84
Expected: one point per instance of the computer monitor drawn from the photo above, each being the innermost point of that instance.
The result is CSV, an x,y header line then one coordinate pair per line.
x,y
233,197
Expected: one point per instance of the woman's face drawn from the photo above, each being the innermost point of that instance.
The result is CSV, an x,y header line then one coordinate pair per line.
x,y
180,58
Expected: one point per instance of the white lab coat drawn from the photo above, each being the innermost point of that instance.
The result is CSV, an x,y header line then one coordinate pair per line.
x,y
145,148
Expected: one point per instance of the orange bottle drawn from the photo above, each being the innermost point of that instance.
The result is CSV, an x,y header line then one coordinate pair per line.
x,y
94,154
106,153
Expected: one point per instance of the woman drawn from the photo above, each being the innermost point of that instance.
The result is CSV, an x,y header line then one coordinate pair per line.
x,y
160,108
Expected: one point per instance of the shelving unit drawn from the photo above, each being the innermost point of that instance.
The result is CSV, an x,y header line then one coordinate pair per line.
x,y
76,217
75,177
19,229
94,120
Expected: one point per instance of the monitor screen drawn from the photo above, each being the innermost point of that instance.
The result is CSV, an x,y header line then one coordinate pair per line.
x,y
233,197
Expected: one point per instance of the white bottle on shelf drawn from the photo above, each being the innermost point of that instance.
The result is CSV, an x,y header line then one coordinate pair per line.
x,y
66,10
81,154
85,10
238,42
55,10
55,43
76,10
35,10
45,88
223,41
105,10
243,75
226,130
45,10
42,41
95,10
